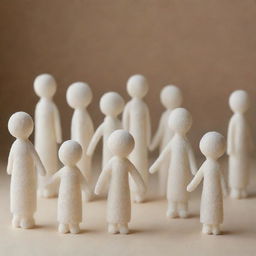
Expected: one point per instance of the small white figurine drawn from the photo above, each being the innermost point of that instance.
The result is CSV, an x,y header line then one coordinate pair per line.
x,y
213,146
118,169
182,162
171,98
79,96
47,129
23,162
136,120
111,105
240,145
71,181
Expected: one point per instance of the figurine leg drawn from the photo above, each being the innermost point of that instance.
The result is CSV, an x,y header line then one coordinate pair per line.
x,y
49,193
123,228
112,228
63,228
216,230
244,193
183,210
16,221
87,196
207,229
27,222
235,193
139,198
172,210
74,228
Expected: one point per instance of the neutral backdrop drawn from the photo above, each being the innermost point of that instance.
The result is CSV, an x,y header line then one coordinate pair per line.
x,y
207,48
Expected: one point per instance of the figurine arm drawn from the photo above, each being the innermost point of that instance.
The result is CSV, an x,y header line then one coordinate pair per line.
x,y
136,177
38,163
125,117
10,161
230,142
84,183
148,123
57,125
160,159
56,176
196,180
104,176
158,135
223,184
192,160
95,139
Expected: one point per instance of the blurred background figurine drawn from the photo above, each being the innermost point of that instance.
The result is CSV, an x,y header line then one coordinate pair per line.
x,y
240,145
136,120
79,96
171,98
47,130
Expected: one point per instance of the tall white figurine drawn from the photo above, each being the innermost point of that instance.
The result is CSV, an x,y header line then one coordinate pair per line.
x,y
171,98
23,162
71,181
240,145
111,105
136,120
79,96
182,162
213,146
118,169
47,129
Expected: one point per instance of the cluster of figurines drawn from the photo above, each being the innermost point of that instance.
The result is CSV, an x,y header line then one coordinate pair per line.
x,y
125,156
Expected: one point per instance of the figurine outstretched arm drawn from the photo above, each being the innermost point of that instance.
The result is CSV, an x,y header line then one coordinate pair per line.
x,y
57,125
158,135
148,123
104,177
95,139
196,180
10,160
161,158
231,138
125,117
192,160
84,183
137,178
38,163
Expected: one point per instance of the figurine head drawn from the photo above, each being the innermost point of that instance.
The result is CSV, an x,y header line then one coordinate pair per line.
x,y
70,152
239,101
79,95
171,97
45,86
121,143
20,125
212,145
180,121
111,104
137,86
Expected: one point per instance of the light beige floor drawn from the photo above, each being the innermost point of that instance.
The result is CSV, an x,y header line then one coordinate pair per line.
x,y
152,233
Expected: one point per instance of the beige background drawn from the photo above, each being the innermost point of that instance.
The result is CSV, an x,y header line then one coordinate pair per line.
x,y
208,48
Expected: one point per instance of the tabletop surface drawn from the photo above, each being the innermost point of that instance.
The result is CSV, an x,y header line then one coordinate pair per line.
x,y
151,232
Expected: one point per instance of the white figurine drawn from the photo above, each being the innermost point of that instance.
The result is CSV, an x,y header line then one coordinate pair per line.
x,y
71,181
136,120
23,162
79,96
240,145
171,98
118,169
111,105
213,146
182,162
47,129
